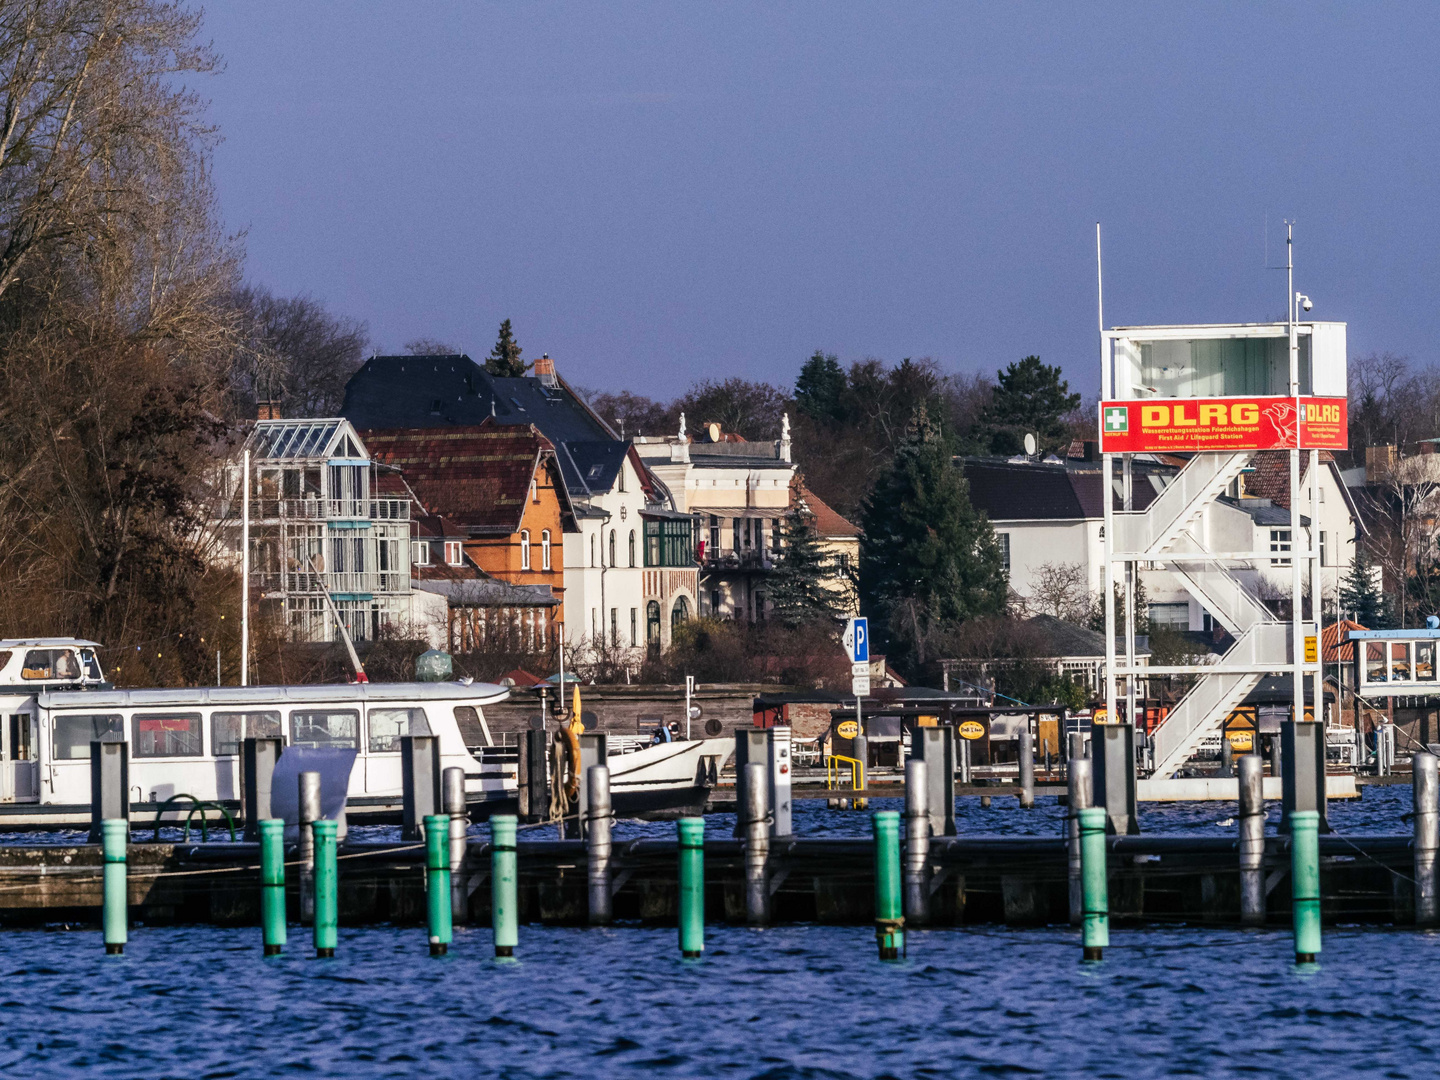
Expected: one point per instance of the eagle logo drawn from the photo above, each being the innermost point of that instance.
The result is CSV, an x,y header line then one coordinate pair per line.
x,y
1281,415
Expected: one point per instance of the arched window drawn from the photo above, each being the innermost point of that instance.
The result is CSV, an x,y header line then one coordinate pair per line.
x,y
652,623
545,550
524,549
632,547
612,548
680,612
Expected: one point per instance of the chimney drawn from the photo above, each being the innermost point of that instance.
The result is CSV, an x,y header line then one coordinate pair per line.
x,y
267,409
1379,460
1092,450
545,371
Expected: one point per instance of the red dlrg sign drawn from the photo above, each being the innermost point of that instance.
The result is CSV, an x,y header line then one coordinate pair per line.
x,y
1190,424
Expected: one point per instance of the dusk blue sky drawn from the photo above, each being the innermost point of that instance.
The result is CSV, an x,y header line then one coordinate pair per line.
x,y
661,193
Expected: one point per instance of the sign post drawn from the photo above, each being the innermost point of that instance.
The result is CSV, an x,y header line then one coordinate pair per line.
x,y
857,646
689,692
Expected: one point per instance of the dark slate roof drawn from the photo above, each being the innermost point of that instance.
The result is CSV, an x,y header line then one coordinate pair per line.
x,y
487,592
391,392
1280,690
1027,491
1265,512
478,476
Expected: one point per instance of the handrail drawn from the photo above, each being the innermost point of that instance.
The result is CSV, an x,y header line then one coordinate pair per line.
x,y
832,772
197,805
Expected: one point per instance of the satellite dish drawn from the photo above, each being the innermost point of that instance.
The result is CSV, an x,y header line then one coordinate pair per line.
x,y
714,433
1030,444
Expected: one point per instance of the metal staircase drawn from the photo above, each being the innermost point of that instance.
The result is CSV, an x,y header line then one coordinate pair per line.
x,y
1171,530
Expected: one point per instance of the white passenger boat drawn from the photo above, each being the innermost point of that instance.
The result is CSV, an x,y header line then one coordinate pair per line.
x,y
55,701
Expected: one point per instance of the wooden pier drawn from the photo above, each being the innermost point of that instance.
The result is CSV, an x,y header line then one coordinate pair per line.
x,y
972,880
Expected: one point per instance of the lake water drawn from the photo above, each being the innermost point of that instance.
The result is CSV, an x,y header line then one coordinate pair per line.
x,y
793,1001
790,1001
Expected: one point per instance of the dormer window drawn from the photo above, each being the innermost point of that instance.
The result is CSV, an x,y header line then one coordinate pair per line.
x,y
454,553
420,553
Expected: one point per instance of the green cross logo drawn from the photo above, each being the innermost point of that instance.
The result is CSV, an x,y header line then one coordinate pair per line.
x,y
1117,418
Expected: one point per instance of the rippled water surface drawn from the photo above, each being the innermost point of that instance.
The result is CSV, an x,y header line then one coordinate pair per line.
x,y
796,1001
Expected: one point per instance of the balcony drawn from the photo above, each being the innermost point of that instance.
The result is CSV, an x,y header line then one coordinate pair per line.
x,y
318,510
750,559
362,583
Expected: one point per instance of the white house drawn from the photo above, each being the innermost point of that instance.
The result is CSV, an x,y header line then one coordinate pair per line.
x,y
1050,515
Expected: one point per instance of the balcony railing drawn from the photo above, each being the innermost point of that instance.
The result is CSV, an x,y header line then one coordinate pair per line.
x,y
348,583
323,510
730,559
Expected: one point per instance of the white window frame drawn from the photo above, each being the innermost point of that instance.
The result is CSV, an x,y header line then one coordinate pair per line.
x,y
524,549
545,549
454,553
420,552
1004,539
1280,543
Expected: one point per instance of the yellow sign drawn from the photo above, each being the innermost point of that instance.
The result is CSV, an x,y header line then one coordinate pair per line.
x,y
1310,655
1242,742
847,729
972,729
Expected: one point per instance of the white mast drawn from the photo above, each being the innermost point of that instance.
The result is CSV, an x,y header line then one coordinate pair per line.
x,y
245,573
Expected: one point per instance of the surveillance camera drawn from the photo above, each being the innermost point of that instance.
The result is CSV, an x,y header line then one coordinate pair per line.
x,y
1306,304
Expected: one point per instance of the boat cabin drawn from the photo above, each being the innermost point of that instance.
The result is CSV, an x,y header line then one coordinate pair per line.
x,y
28,666
188,741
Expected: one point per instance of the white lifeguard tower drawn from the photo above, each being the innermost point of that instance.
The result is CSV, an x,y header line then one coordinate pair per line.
x,y
1219,393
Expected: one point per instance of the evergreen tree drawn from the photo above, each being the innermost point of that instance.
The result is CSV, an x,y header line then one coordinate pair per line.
x,y
1360,598
801,585
927,556
504,359
820,389
1029,397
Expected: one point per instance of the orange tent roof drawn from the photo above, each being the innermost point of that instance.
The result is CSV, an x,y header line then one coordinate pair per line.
x,y
1334,650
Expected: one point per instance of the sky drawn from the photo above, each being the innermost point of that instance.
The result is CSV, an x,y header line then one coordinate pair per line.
x,y
661,193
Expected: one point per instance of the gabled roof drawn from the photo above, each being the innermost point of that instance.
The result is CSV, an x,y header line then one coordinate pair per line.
x,y
477,476
392,392
303,440
828,523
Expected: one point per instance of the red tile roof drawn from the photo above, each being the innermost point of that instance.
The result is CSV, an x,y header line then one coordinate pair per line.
x,y
476,476
1330,642
827,521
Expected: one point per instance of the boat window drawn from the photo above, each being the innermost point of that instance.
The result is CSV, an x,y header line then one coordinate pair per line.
x,y
325,727
467,718
166,735
1425,661
387,725
91,664
5,655
230,728
73,734
50,664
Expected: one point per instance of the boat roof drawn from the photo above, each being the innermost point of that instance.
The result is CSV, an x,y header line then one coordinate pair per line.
x,y
484,693
47,643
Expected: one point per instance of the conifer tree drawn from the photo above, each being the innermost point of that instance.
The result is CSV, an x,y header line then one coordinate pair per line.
x,y
1360,598
504,359
927,556
801,586
1029,397
820,389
